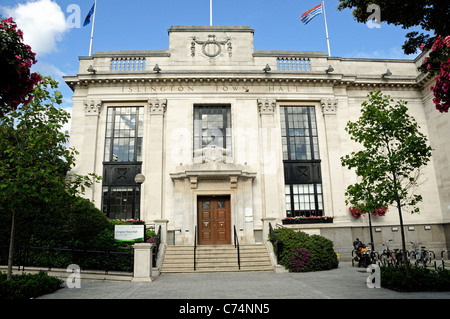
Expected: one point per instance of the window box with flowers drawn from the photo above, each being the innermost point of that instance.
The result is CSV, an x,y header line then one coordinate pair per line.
x,y
307,220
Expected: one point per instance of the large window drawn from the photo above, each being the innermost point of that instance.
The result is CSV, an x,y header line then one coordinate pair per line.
x,y
122,162
299,133
124,132
212,126
119,202
302,172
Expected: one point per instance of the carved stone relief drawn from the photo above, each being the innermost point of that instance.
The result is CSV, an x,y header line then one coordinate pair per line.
x,y
329,106
157,106
266,106
92,108
212,47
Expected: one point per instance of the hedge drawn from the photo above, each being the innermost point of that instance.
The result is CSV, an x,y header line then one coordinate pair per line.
x,y
417,279
26,286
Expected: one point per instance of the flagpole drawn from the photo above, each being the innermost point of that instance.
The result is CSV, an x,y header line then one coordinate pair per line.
x,y
92,32
210,12
326,27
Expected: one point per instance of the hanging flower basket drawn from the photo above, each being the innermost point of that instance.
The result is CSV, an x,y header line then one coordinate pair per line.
x,y
307,220
357,211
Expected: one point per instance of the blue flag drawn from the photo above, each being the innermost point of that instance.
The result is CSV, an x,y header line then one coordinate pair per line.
x,y
88,17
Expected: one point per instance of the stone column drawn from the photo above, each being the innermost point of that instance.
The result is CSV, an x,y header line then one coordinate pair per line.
x,y
142,262
89,147
269,142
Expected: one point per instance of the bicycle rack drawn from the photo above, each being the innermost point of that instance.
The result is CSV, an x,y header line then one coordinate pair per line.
x,y
442,259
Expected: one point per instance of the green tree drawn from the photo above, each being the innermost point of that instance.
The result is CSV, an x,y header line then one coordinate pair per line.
x,y
34,159
389,164
431,15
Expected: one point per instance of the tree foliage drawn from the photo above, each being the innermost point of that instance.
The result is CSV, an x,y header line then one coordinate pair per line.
x,y
430,15
16,58
35,162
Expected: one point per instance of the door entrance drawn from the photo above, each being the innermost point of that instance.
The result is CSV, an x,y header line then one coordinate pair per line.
x,y
214,220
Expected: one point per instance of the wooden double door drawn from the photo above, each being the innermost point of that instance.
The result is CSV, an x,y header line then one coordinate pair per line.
x,y
214,220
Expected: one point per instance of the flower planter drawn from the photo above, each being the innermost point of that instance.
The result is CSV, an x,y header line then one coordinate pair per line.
x,y
307,221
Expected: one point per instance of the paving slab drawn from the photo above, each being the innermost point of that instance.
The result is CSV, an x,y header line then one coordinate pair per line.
x,y
345,282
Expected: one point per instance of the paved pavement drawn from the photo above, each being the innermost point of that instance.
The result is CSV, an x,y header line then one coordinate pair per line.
x,y
346,282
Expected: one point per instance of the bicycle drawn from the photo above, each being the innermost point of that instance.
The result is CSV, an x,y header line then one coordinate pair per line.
x,y
414,254
388,258
423,256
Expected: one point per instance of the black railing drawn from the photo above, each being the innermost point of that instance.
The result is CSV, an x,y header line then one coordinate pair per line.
x,y
156,247
236,245
278,244
195,249
87,259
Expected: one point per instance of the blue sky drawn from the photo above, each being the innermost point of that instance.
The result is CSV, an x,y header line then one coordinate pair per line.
x,y
50,28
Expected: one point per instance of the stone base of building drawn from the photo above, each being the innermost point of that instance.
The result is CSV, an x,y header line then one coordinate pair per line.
x,y
435,237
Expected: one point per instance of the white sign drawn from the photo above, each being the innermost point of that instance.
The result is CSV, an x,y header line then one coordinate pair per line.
x,y
128,233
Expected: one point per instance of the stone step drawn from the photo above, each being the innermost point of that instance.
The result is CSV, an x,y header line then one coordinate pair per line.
x,y
180,259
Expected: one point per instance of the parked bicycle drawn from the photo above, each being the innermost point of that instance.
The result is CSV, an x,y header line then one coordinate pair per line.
x,y
422,256
389,257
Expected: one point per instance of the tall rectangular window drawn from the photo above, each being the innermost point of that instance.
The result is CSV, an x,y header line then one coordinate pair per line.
x,y
122,161
124,133
301,160
299,133
212,126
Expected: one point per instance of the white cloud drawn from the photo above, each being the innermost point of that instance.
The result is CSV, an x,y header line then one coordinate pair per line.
x,y
43,24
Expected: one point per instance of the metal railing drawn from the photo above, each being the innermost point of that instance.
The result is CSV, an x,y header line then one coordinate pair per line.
x,y
236,245
87,259
195,249
277,242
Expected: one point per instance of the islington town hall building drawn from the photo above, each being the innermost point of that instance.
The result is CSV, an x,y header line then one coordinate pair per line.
x,y
231,139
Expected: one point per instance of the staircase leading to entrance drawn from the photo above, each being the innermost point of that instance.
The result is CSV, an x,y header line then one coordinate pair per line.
x,y
223,258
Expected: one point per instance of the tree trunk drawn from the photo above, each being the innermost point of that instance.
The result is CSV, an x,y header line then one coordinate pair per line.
x,y
402,230
11,246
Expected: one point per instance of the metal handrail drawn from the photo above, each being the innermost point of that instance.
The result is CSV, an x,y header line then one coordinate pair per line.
x,y
195,249
279,244
236,245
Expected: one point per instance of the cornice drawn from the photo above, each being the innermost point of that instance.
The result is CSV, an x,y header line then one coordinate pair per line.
x,y
274,78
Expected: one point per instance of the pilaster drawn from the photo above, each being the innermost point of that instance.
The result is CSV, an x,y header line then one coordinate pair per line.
x,y
269,146
92,109
335,187
153,162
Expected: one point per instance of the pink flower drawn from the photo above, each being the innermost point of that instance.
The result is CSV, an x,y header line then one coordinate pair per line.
x,y
422,46
447,41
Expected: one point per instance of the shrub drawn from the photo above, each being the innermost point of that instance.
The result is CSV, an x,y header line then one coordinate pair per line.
x,y
300,260
418,279
26,286
322,254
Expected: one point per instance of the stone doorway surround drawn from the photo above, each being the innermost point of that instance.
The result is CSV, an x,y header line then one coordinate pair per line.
x,y
220,179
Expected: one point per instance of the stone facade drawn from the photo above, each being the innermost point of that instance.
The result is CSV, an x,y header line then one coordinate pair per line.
x,y
218,67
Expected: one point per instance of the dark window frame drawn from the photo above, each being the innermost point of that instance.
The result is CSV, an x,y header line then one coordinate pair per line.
x,y
301,167
112,132
226,129
119,173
